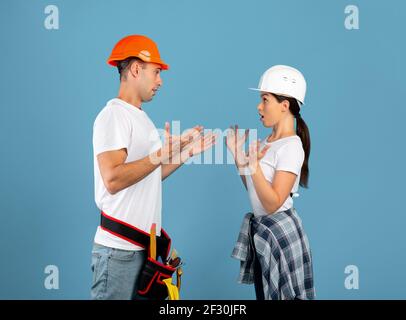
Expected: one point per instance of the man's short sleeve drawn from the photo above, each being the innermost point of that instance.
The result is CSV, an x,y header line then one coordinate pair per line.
x,y
111,131
290,158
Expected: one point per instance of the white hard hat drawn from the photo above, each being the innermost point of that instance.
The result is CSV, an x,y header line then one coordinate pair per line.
x,y
284,81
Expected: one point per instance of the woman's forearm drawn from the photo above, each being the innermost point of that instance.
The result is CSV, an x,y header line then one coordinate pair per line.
x,y
241,173
244,181
269,198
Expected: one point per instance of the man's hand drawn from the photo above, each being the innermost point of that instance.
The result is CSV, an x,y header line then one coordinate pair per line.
x,y
197,146
177,149
190,136
190,144
170,151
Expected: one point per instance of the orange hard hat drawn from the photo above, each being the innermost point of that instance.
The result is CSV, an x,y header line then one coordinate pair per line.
x,y
136,46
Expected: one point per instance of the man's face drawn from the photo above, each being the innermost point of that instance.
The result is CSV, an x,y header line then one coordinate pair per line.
x,y
149,81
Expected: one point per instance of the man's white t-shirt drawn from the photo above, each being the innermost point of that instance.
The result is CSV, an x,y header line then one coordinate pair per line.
x,y
122,125
284,154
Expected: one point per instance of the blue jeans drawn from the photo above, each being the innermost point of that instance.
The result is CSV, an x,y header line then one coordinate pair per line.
x,y
115,273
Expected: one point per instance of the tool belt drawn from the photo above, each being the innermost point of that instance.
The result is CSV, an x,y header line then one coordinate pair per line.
x,y
150,281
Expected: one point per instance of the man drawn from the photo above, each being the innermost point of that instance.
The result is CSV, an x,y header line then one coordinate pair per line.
x,y
130,163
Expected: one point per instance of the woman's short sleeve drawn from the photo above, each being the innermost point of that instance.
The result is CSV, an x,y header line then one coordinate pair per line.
x,y
290,157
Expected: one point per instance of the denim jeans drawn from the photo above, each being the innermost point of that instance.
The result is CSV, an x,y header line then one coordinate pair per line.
x,y
115,273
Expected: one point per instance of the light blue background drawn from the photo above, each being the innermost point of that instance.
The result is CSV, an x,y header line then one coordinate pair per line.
x,y
54,82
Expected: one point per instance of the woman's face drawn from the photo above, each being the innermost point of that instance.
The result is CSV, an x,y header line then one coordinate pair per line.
x,y
270,110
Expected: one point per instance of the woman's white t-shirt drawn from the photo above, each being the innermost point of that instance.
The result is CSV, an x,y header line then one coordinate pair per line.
x,y
121,125
285,154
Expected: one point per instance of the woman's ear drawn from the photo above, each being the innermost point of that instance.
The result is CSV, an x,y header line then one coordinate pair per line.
x,y
285,105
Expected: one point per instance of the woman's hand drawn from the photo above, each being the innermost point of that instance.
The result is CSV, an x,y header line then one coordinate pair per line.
x,y
255,154
235,143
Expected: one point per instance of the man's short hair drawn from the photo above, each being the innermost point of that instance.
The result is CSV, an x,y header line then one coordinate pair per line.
x,y
124,65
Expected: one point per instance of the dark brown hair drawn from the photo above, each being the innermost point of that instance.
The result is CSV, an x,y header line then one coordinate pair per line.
x,y
124,65
303,132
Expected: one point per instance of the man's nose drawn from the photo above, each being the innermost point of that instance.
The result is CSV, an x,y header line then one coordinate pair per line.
x,y
159,80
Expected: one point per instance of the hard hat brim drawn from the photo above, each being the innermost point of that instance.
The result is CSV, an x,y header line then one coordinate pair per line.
x,y
164,66
300,102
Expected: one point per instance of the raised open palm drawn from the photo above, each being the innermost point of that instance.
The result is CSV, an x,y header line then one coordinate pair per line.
x,y
235,143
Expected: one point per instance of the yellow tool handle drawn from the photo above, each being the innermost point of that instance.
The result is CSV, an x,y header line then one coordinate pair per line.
x,y
178,277
173,291
152,242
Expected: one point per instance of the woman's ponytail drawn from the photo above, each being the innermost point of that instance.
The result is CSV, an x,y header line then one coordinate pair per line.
x,y
303,132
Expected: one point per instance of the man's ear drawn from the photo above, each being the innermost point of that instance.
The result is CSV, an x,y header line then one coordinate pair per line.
x,y
135,69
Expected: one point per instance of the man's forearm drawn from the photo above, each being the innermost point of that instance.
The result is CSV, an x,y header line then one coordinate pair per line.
x,y
168,169
127,174
176,162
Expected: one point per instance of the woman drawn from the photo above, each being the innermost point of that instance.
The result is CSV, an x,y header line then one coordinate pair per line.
x,y
272,245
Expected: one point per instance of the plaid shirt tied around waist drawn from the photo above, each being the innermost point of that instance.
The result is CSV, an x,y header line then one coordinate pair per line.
x,y
283,252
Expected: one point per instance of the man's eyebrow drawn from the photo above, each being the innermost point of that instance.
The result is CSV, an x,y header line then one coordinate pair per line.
x,y
263,94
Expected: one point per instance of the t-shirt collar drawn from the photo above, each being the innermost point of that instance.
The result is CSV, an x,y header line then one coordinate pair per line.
x,y
282,139
126,105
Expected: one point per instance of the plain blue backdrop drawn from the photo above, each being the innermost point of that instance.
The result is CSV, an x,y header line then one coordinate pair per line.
x,y
54,82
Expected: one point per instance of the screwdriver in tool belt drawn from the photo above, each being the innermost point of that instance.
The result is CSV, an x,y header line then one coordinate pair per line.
x,y
152,243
